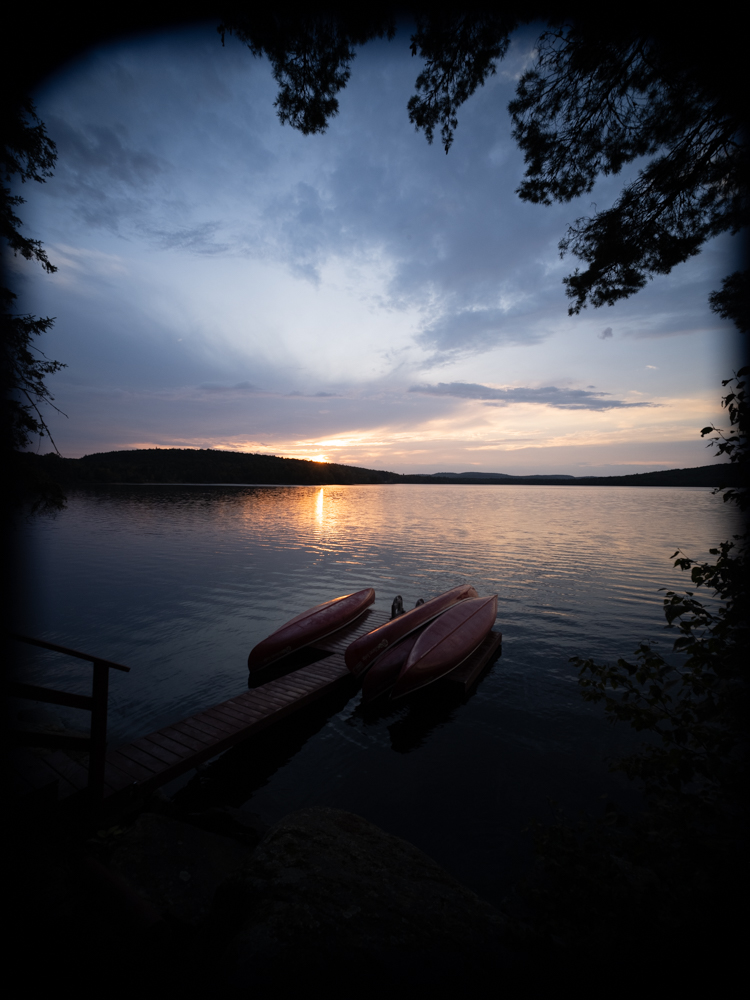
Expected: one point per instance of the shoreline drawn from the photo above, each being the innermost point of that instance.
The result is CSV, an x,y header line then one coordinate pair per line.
x,y
190,467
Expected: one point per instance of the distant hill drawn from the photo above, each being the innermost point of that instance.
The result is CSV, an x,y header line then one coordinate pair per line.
x,y
189,465
496,475
723,474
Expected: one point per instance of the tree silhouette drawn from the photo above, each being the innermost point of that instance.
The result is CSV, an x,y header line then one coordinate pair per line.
x,y
28,154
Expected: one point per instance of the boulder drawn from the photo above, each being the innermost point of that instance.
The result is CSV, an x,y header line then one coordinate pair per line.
x,y
175,866
327,895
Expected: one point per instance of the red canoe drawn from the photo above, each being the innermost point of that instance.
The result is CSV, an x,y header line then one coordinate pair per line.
x,y
446,643
384,673
362,653
309,627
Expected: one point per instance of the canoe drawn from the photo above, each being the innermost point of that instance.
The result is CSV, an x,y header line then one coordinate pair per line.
x,y
309,627
384,673
446,643
363,652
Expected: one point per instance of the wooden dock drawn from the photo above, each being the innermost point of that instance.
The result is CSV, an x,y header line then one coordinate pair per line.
x,y
138,768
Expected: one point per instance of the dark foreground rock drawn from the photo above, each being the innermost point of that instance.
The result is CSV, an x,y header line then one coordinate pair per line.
x,y
327,896
176,866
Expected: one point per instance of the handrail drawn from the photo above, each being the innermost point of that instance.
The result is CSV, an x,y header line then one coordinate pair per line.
x,y
70,652
52,697
96,704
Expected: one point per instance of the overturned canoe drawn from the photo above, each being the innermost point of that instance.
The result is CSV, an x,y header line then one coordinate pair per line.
x,y
446,643
363,652
309,627
385,671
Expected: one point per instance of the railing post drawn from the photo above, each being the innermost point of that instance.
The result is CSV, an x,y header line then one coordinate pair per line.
x,y
98,753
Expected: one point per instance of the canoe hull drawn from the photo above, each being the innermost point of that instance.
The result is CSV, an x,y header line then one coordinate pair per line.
x,y
446,643
309,627
384,673
364,651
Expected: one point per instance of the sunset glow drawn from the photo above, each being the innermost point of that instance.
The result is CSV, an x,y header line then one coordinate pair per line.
x,y
355,297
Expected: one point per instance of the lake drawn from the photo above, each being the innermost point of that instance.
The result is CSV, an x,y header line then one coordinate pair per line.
x,y
180,582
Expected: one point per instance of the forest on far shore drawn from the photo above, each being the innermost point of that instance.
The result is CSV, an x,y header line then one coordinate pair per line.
x,y
189,465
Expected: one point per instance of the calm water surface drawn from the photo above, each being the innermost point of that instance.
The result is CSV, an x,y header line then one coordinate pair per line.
x,y
180,582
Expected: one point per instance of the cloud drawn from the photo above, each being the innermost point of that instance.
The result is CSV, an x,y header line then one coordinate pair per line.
x,y
237,387
210,147
475,330
196,239
549,395
103,149
605,334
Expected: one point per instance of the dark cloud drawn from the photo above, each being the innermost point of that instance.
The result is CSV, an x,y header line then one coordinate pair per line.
x,y
475,330
105,173
549,395
237,387
179,132
197,239
605,334
447,225
106,150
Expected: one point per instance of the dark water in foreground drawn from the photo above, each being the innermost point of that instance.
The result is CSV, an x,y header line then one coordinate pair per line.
x,y
180,582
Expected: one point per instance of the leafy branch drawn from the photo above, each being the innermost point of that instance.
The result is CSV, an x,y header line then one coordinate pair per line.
x,y
460,51
28,154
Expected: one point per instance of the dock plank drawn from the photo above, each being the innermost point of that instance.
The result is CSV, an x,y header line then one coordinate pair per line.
x,y
135,771
194,723
161,739
226,721
187,739
269,701
152,747
245,713
294,690
249,709
139,756
316,672
222,724
338,641
154,759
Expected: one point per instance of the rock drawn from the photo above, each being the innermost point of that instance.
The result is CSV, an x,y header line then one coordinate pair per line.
x,y
175,866
240,824
327,895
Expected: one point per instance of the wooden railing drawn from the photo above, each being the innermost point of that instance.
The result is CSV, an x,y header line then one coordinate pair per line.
x,y
96,742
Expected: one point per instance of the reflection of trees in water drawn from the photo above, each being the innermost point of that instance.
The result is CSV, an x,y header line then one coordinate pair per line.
x,y
188,497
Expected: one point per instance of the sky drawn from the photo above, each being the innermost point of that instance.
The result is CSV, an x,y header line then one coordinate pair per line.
x,y
358,296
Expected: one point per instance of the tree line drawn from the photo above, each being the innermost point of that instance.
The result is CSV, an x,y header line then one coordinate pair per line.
x,y
206,465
